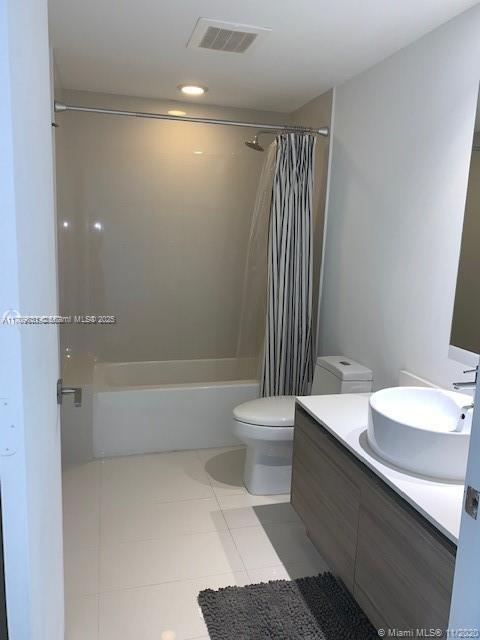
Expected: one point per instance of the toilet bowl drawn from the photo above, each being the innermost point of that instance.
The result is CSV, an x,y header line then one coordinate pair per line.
x,y
265,425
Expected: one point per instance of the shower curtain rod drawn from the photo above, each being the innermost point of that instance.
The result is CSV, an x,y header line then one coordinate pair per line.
x,y
323,131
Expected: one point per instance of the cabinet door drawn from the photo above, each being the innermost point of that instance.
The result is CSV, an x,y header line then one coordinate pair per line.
x,y
327,501
404,568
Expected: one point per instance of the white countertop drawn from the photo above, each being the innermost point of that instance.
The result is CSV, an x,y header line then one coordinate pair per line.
x,y
346,418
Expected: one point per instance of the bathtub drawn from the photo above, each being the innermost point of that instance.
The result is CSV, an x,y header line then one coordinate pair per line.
x,y
146,407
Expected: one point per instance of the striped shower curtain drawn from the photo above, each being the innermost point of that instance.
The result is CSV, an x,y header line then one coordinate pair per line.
x,y
288,353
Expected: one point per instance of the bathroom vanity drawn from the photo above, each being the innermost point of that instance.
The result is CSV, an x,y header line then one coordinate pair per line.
x,y
390,536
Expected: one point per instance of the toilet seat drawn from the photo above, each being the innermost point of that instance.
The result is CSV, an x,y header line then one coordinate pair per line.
x,y
272,412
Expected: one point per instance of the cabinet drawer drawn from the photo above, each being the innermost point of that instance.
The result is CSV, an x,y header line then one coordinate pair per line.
x,y
328,503
403,565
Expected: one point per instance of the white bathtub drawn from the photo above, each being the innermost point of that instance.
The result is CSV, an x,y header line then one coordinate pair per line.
x,y
146,407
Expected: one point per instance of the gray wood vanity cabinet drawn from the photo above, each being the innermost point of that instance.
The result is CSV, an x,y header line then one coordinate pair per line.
x,y
396,564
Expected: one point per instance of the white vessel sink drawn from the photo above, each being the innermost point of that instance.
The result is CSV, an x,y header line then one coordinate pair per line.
x,y
421,429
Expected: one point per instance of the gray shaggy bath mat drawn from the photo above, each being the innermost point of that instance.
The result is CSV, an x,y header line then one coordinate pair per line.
x,y
316,608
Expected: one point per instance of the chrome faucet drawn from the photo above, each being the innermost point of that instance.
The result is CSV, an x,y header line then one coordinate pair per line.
x,y
466,408
463,415
471,384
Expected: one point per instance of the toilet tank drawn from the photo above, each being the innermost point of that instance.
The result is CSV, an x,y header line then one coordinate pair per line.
x,y
339,374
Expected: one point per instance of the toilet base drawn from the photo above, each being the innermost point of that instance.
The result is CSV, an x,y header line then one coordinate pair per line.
x,y
267,474
268,465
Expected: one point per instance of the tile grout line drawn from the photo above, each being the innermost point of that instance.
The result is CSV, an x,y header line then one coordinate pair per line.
x,y
100,518
214,496
152,585
99,505
223,516
72,595
208,482
158,502
171,536
213,490
216,531
102,506
228,529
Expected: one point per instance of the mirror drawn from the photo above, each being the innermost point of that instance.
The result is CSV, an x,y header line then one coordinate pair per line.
x,y
466,313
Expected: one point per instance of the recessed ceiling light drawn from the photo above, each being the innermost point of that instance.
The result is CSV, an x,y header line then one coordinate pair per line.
x,y
192,89
198,153
174,112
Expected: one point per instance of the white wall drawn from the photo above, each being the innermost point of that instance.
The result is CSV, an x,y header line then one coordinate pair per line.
x,y
401,153
175,201
317,113
466,317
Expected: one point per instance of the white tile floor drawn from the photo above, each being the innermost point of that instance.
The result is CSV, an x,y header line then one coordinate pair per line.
x,y
145,534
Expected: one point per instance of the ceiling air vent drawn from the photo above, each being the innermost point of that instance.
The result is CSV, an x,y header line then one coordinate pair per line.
x,y
225,36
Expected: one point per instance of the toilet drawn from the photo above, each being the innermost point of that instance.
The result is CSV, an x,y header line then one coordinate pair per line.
x,y
266,425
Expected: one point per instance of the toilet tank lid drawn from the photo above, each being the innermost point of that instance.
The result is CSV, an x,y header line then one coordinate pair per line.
x,y
344,368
